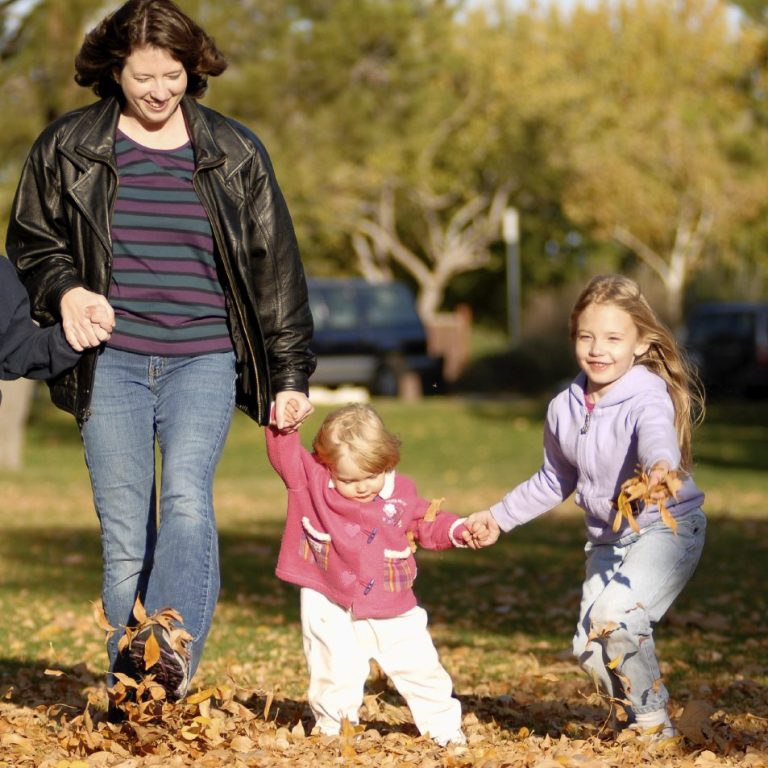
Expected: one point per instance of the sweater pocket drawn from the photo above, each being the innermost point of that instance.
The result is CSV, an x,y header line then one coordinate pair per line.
x,y
314,545
399,570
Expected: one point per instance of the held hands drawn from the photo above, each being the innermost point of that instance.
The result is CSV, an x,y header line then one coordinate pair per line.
x,y
290,410
87,318
98,315
482,530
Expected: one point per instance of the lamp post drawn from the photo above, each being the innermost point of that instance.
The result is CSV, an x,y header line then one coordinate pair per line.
x,y
511,234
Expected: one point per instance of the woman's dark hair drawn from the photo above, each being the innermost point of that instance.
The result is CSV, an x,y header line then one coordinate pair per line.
x,y
140,23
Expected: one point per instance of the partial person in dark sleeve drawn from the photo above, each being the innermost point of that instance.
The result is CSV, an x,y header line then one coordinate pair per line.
x,y
26,349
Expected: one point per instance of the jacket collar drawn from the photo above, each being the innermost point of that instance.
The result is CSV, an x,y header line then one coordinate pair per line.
x,y
208,153
389,485
92,135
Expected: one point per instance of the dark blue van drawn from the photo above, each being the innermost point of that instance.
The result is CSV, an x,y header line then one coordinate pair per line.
x,y
369,334
728,342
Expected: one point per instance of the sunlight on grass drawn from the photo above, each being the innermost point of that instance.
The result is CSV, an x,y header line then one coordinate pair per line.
x,y
501,618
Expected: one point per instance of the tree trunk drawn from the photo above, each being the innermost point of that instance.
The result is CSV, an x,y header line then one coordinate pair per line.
x,y
14,409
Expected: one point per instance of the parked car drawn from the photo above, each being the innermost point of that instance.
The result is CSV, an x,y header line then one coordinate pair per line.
x,y
369,334
728,341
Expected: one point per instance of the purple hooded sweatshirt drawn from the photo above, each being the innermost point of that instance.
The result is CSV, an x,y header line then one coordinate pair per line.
x,y
631,426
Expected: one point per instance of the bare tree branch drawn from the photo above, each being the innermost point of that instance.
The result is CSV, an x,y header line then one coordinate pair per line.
x,y
396,249
625,237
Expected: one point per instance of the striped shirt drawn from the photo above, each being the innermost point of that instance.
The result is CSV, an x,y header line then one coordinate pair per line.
x,y
165,289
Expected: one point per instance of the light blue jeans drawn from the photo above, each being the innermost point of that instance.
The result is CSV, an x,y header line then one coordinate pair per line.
x,y
630,584
170,559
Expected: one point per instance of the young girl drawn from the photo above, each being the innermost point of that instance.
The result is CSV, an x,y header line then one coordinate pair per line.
x,y
630,407
347,544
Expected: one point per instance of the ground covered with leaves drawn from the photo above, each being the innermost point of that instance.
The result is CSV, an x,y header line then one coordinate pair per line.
x,y
526,704
502,620
234,725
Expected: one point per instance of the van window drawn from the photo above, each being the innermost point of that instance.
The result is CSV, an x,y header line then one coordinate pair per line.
x,y
722,328
389,305
334,308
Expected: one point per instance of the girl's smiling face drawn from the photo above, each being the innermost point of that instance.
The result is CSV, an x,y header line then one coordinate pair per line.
x,y
607,343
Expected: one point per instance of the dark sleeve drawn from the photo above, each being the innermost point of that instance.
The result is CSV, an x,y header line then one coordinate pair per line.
x,y
38,238
25,348
288,326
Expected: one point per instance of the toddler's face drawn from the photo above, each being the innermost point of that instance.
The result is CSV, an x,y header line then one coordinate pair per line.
x,y
355,483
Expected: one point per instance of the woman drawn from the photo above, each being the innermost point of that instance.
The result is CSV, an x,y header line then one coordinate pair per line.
x,y
165,215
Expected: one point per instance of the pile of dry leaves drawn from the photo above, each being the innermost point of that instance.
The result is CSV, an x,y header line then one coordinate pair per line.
x,y
231,725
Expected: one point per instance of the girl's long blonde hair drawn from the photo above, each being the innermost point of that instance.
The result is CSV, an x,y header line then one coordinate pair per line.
x,y
664,356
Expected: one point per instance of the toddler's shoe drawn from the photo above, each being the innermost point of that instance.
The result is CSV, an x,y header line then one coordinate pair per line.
x,y
457,739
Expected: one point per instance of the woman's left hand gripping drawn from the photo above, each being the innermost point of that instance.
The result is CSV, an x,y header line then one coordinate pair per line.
x,y
290,410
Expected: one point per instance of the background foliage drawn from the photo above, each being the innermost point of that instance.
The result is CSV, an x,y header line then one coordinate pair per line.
x,y
631,135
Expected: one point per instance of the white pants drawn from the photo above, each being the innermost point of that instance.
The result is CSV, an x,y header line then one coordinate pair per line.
x,y
338,649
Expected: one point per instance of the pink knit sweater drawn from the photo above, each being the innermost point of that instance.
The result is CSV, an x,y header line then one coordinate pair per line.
x,y
356,554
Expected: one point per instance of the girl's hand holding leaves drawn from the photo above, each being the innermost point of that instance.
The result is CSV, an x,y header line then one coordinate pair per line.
x,y
654,487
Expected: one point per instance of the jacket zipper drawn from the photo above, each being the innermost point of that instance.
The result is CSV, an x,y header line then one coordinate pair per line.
x,y
583,455
232,285
115,174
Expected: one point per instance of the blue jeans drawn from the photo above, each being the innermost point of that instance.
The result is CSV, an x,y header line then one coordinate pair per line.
x,y
630,584
170,559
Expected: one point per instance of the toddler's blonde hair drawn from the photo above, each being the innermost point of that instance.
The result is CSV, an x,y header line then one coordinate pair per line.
x,y
358,430
664,356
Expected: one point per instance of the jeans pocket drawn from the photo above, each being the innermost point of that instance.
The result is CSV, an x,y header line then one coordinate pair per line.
x,y
693,528
399,570
314,545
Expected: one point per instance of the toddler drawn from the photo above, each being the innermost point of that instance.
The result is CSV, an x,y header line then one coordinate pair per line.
x,y
351,524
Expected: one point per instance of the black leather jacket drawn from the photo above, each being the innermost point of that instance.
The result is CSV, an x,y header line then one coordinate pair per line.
x,y
59,238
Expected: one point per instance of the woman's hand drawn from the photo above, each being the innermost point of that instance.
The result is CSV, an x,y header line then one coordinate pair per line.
x,y
87,318
291,408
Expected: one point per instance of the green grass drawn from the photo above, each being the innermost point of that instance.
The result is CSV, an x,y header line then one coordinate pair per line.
x,y
497,615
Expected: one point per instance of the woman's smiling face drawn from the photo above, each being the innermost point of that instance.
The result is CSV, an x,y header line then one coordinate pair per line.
x,y
153,84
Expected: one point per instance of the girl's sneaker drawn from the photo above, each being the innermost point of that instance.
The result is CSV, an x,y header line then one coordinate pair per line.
x,y
653,726
652,735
